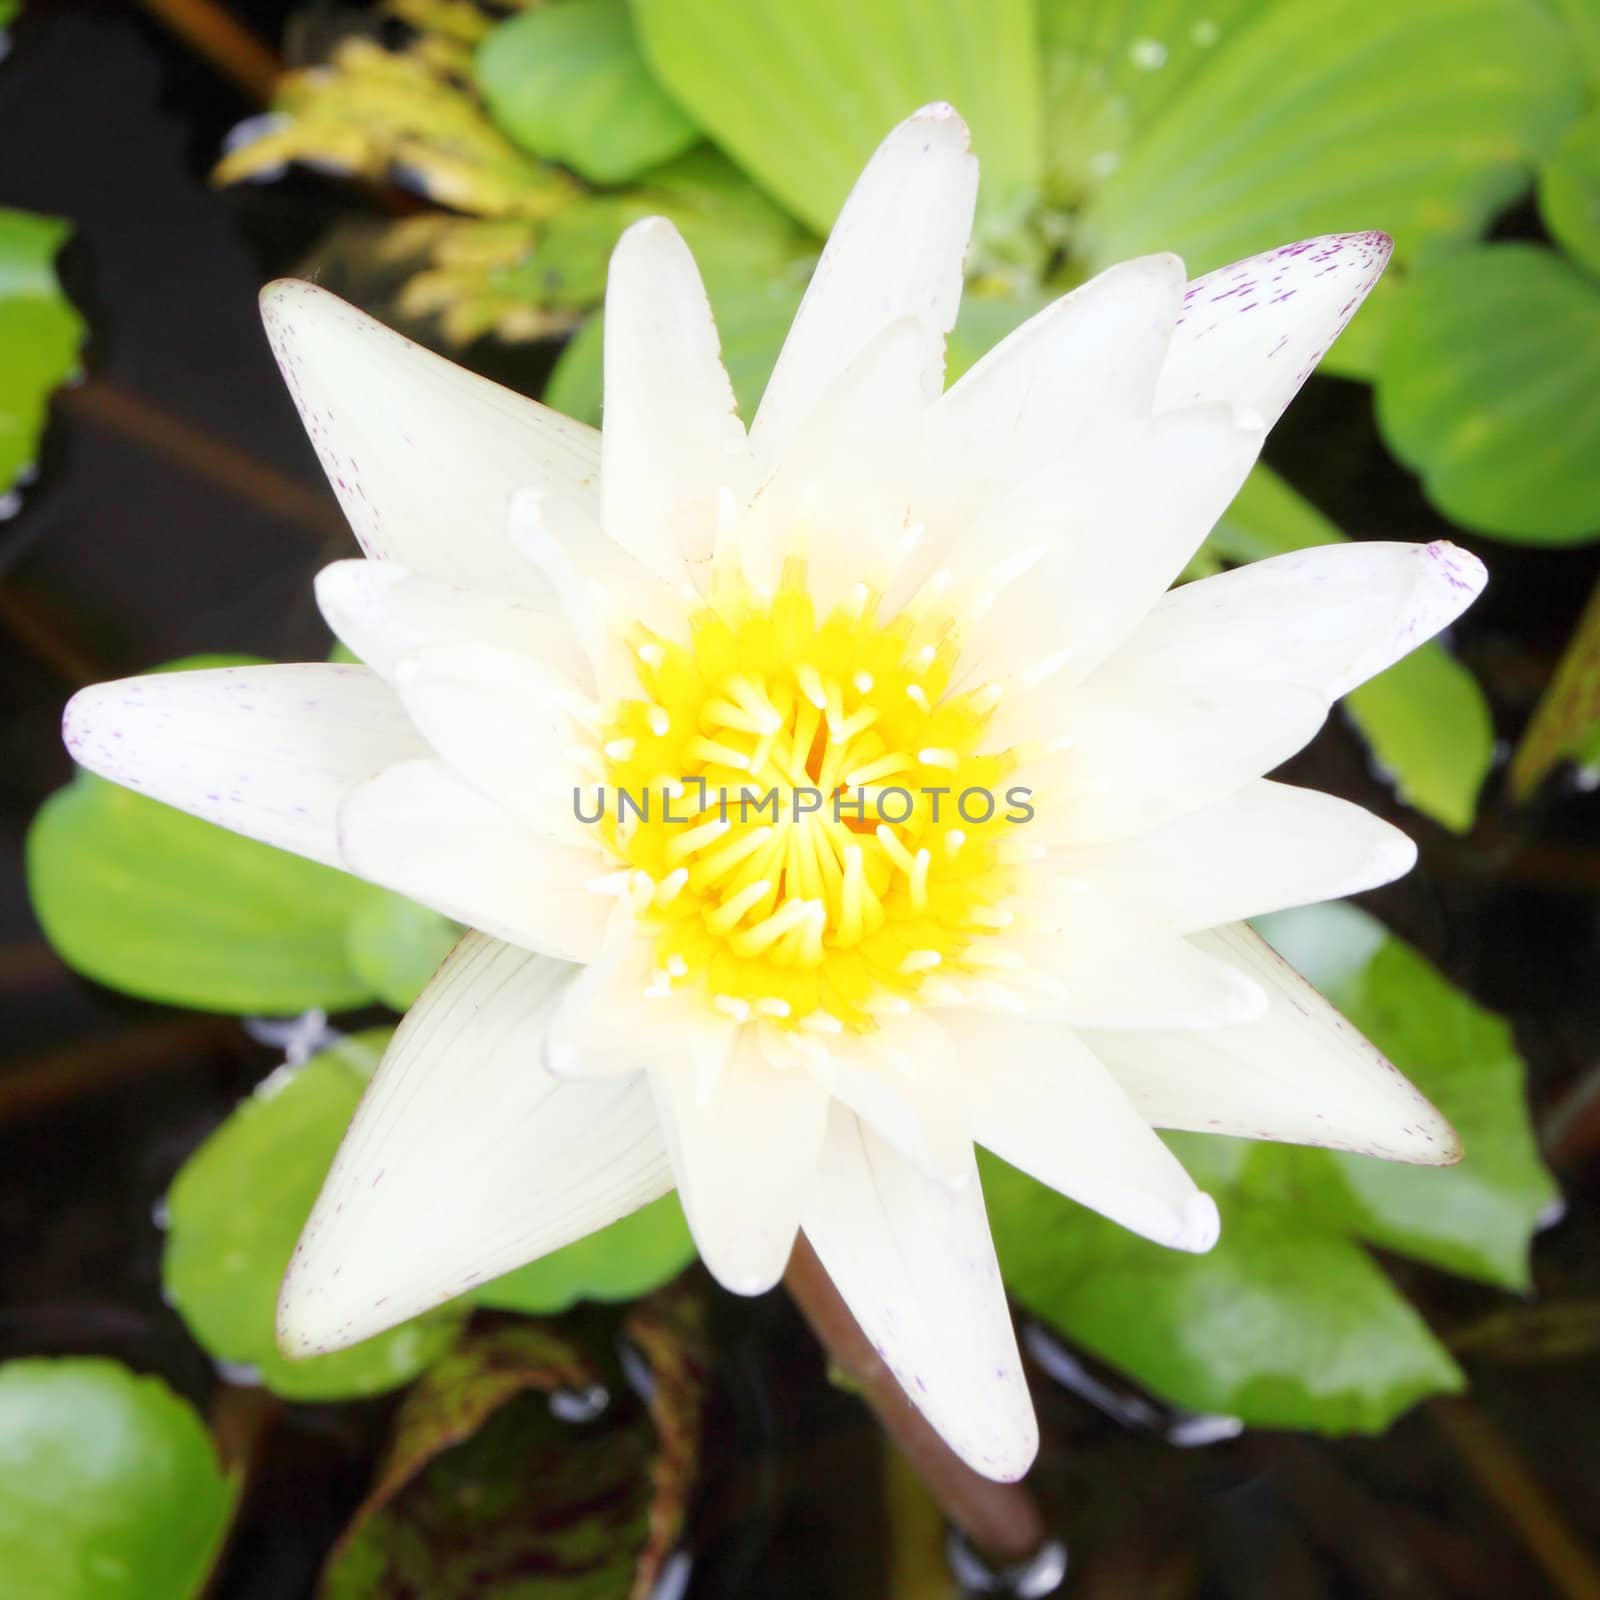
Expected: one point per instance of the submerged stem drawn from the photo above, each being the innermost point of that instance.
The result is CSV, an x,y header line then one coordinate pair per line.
x,y
1001,1520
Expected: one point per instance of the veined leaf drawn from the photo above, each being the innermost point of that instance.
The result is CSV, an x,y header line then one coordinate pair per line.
x,y
1328,116
1566,725
800,92
1486,388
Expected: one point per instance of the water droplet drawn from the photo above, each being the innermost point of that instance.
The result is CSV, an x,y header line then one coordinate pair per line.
x,y
1147,54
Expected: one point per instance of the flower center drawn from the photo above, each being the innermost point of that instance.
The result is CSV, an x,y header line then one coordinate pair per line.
x,y
811,828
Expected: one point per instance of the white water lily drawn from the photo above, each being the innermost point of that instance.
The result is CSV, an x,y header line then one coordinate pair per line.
x,y
805,1021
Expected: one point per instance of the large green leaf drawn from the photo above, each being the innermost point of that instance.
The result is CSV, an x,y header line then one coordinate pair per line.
x,y
1284,1324
1330,115
236,1209
1425,718
620,1262
1566,724
40,334
485,1492
1569,192
568,83
800,92
109,1486
1486,389
1111,66
1287,1322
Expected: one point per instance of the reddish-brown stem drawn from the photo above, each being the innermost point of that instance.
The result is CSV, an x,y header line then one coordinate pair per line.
x,y
1001,1520
223,42
141,422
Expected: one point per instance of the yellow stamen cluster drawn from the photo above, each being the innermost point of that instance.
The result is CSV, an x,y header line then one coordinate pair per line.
x,y
792,858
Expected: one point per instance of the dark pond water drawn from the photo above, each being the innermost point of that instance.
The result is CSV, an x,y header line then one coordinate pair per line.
x,y
180,510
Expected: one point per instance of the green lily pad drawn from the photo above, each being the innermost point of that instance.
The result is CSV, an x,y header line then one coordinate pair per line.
x,y
624,1260
1308,120
567,82
1485,389
40,333
1288,1322
1425,718
109,1485
236,1209
1569,193
800,92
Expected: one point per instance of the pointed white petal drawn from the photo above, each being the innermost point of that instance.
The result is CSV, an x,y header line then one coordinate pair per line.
x,y
1084,548
841,496
1300,1074
914,1262
269,752
1049,1107
1264,848
672,437
422,454
1084,365
1326,618
465,1159
382,612
1135,759
505,722
745,1149
1251,332
906,1082
420,830
895,252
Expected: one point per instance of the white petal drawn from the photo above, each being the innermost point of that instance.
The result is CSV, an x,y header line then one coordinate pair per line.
x,y
1135,759
1050,1108
465,1159
841,496
1265,848
905,1081
1251,332
672,437
382,612
420,830
914,1262
745,1152
1086,364
269,752
1300,1074
422,454
1087,546
896,251
505,722
1158,981
1327,618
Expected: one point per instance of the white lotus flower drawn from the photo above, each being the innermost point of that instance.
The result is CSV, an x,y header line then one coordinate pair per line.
x,y
806,1023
